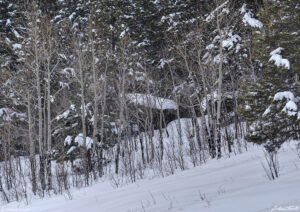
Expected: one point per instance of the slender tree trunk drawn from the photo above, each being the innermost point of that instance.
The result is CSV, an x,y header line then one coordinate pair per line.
x,y
139,135
161,135
220,80
84,151
207,125
31,145
40,136
121,117
49,138
96,98
40,108
103,106
179,127
83,113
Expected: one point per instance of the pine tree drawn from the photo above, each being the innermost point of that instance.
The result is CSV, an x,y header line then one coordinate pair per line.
x,y
271,104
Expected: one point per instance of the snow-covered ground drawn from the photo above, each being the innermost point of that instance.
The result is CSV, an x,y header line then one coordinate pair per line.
x,y
236,184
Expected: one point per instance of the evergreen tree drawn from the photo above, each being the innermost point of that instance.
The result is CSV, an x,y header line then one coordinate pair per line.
x,y
271,103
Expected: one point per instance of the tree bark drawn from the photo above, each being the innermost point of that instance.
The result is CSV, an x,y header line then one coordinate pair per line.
x,y
31,145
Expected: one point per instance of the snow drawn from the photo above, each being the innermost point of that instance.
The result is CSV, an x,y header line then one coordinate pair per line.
x,y
17,46
68,71
6,114
217,59
79,140
68,140
148,100
278,60
163,62
291,106
8,40
285,94
210,46
243,9
208,97
122,34
52,98
63,84
214,12
8,22
225,185
63,115
71,150
248,18
57,17
72,106
267,111
276,51
247,107
229,43
72,16
17,35
75,25
63,56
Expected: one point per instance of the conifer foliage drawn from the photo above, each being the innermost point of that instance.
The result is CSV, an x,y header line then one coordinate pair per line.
x,y
92,88
271,103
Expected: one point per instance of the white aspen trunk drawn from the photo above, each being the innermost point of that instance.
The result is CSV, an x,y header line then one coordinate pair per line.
x,y
150,125
220,80
96,99
179,127
49,139
31,145
206,125
83,113
40,109
161,135
103,106
203,122
121,116
199,102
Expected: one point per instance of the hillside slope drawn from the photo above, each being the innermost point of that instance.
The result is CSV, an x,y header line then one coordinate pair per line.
x,y
230,184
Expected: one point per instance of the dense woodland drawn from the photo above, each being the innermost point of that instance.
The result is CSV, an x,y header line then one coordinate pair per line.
x,y
88,87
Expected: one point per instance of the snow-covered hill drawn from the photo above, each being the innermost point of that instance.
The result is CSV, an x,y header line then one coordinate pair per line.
x,y
236,184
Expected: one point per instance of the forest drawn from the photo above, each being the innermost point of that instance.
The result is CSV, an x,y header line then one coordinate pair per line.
x,y
123,90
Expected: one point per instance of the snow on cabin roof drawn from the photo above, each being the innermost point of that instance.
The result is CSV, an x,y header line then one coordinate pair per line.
x,y
148,100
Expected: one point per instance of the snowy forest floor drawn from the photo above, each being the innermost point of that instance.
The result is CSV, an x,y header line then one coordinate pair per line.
x,y
238,183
